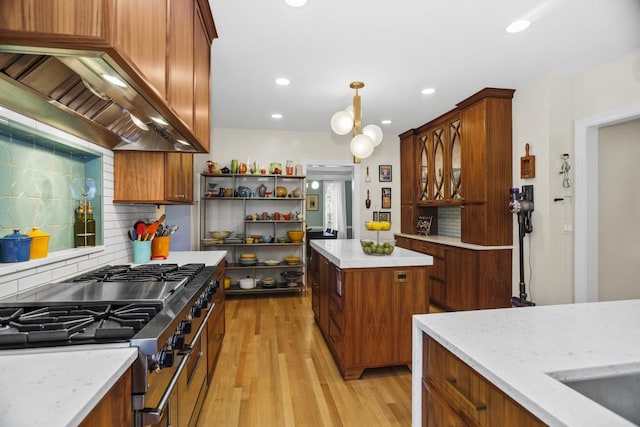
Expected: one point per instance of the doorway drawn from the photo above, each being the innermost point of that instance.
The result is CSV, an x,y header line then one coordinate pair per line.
x,y
321,174
586,198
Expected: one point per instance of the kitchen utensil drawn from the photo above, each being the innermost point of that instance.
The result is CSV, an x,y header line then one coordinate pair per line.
x,y
292,277
292,260
160,247
295,235
220,235
367,203
271,262
140,230
162,218
15,247
247,283
150,231
133,235
141,251
227,280
173,228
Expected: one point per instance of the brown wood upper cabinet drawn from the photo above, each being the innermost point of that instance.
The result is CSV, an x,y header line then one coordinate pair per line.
x,y
162,45
462,158
153,177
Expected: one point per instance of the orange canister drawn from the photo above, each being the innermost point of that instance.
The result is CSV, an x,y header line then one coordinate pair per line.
x,y
160,247
39,243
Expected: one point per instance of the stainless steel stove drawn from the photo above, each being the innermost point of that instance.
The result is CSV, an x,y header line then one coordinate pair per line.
x,y
162,309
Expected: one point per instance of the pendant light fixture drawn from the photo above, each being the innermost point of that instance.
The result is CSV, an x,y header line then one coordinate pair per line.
x,y
350,120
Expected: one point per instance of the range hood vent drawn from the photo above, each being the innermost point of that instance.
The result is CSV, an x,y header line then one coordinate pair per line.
x,y
69,92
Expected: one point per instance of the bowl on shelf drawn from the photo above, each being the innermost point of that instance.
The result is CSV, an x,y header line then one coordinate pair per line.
x,y
271,262
248,261
292,277
247,256
281,239
292,260
281,191
269,282
295,235
220,235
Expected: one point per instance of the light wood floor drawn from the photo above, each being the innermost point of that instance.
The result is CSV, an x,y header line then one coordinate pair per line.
x,y
276,370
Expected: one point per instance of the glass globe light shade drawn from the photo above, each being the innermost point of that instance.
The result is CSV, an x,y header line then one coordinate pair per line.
x,y
349,110
361,146
374,132
341,123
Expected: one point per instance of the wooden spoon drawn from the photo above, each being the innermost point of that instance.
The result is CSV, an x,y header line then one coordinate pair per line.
x,y
162,218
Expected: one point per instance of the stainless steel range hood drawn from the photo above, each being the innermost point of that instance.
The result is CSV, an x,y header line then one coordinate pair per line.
x,y
68,89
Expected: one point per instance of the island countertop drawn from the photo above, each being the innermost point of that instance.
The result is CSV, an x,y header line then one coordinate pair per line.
x,y
525,351
347,253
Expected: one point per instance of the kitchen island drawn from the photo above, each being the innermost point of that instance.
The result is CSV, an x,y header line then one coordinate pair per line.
x,y
525,353
363,303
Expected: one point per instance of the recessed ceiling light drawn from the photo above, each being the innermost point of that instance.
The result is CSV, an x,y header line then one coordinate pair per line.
x,y
296,3
282,81
159,121
385,122
276,116
428,91
518,26
136,121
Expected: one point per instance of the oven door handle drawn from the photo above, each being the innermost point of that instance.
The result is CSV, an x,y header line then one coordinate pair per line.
x,y
152,416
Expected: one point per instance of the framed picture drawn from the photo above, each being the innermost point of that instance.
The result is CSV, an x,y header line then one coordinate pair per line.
x,y
384,216
312,202
385,173
386,197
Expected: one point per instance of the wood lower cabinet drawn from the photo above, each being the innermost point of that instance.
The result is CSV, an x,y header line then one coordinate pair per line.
x,y
153,177
454,394
467,279
366,321
114,409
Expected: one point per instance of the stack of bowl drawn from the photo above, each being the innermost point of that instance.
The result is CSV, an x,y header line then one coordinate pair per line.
x,y
248,259
295,236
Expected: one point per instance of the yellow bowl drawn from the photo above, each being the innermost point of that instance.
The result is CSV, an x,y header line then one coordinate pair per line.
x,y
295,235
292,260
248,256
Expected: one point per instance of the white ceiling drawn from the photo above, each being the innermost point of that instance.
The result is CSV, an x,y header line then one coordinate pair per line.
x,y
398,48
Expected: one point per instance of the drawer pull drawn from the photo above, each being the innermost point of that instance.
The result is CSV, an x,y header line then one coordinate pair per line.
x,y
452,385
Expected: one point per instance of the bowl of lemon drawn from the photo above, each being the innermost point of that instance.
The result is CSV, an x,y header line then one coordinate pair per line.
x,y
377,225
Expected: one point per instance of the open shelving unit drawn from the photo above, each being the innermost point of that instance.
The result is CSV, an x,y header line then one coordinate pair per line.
x,y
242,213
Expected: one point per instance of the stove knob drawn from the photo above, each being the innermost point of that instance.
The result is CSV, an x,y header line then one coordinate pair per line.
x,y
202,303
195,311
166,358
177,342
185,326
153,365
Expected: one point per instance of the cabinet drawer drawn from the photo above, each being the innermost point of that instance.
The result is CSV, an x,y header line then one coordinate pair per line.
x,y
335,336
473,396
433,249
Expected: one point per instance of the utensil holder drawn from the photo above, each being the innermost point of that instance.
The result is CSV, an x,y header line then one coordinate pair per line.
x,y
141,251
160,247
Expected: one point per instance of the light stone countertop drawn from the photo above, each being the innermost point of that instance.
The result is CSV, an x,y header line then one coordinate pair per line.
x,y
58,387
451,241
347,253
518,348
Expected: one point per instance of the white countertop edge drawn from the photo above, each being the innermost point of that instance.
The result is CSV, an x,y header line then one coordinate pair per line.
x,y
347,253
59,386
452,241
208,257
536,389
51,258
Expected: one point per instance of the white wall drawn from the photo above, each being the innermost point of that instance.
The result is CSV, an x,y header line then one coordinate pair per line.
x,y
544,113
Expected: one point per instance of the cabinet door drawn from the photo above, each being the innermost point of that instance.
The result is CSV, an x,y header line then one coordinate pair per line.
x,y
436,413
179,182
201,69
138,176
460,279
114,409
141,33
325,285
409,296
180,65
455,158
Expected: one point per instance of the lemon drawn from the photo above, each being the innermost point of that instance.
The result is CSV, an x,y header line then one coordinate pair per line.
x,y
385,225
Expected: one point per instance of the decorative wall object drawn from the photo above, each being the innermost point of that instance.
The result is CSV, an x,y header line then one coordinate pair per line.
x,y
386,197
384,216
385,173
312,202
527,164
423,225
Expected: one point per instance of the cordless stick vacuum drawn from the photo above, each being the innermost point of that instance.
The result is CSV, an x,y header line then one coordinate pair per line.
x,y
521,204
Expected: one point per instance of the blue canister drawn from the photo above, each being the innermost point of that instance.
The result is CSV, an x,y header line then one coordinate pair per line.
x,y
15,247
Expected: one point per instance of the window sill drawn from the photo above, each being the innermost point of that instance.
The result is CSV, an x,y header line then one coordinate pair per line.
x,y
52,258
